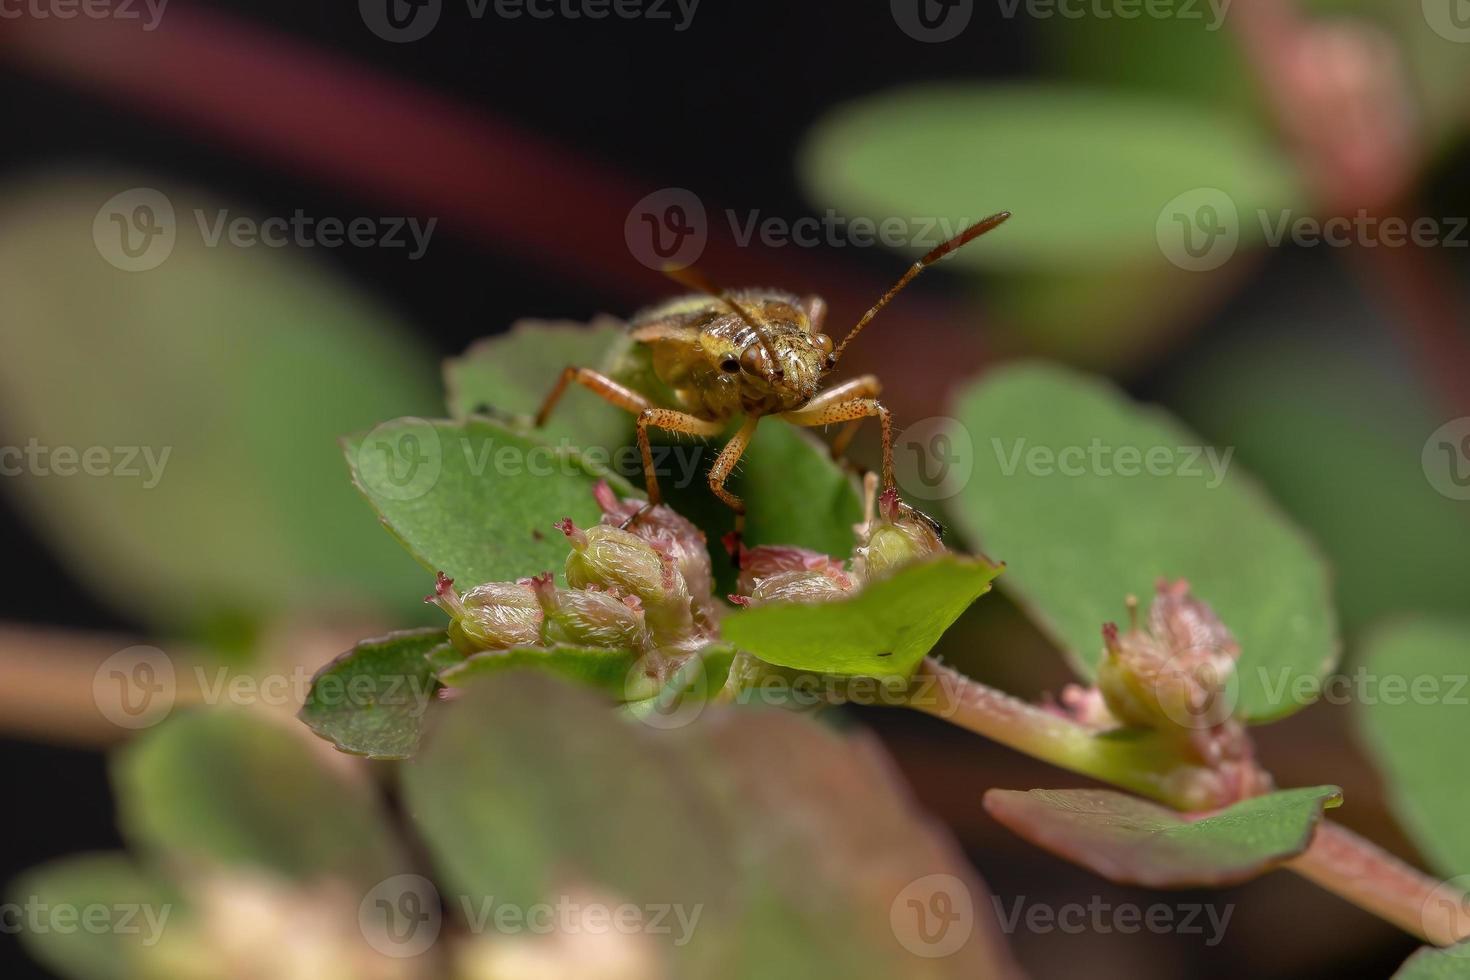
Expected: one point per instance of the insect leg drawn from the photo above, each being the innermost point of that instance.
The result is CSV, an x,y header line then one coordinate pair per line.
x,y
865,386
720,472
599,384
853,410
670,421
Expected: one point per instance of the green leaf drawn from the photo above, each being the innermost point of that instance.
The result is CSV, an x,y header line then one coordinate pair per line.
x,y
473,499
530,783
1289,393
1430,963
373,699
140,909
605,670
235,788
883,631
1136,842
765,823
1415,723
243,365
1046,495
510,375
930,150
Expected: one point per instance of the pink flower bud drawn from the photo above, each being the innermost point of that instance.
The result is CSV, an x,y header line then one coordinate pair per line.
x,y
493,616
1177,673
589,617
667,530
800,586
897,537
768,560
623,563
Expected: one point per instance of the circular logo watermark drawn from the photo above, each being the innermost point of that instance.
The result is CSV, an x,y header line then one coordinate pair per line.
x,y
667,229
1198,689
933,458
1198,230
401,916
1445,914
135,688
1450,19
932,21
677,702
135,231
933,916
400,21
401,459
1446,459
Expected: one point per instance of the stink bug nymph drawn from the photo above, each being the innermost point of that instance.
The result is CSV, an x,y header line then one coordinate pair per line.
x,y
750,353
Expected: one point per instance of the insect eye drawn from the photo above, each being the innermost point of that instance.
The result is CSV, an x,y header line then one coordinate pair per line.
x,y
755,360
823,342
729,365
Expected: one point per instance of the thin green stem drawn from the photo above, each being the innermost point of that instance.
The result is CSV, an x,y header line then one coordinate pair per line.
x,y
1144,762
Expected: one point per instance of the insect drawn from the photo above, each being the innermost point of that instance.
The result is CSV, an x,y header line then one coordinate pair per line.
x,y
751,353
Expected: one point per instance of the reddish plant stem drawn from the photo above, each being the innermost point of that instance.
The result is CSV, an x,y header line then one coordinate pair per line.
x,y
1338,860
1372,879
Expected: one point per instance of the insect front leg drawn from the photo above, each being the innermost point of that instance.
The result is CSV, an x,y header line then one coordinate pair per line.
x,y
865,386
720,472
671,421
599,384
852,410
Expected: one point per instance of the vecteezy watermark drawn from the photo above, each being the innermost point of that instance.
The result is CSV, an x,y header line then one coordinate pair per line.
x,y
932,21
936,21
933,458
678,700
1211,12
1362,686
1446,459
148,13
1445,915
145,463
669,228
403,459
1200,230
402,916
139,919
138,687
1103,917
933,916
1450,19
571,915
138,229
1099,459
402,21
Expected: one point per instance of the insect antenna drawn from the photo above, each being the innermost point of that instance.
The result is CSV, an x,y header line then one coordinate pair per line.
x,y
691,279
963,238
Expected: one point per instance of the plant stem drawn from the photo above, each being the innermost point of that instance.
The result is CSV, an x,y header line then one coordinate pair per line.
x,y
1360,871
1143,762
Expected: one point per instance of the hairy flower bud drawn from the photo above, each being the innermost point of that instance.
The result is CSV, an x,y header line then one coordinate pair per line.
x,y
667,531
589,617
802,586
1176,674
898,536
493,616
766,561
621,562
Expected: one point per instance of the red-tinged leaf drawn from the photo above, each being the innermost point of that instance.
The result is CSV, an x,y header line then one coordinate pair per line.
x,y
1132,841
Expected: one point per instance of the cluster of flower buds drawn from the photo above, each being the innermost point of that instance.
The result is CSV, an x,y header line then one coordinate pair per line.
x,y
892,536
1175,676
645,587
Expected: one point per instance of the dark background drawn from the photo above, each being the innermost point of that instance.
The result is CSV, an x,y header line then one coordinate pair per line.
x,y
720,109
